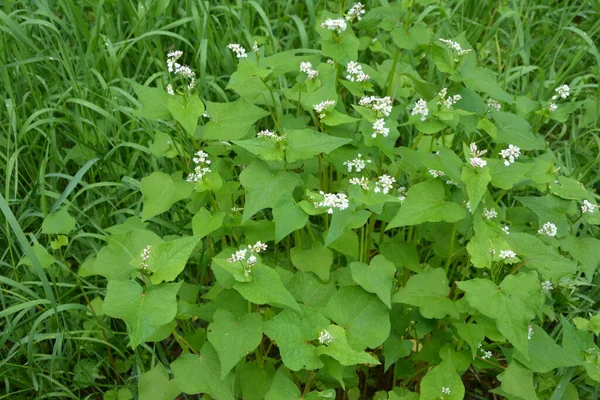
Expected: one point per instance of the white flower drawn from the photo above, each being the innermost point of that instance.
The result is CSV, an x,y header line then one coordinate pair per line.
x,y
452,182
508,255
381,105
494,104
170,89
358,163
255,47
320,108
239,51
184,71
266,133
456,46
306,66
486,355
489,214
402,193
547,286
252,260
380,129
529,332
450,101
552,106
468,205
562,91
384,184
588,207
421,109
333,200
237,209
355,72
476,160
172,58
258,247
506,229
548,229
510,154
338,25
357,11
362,182
446,390
436,173
325,337
201,167
145,257
205,114
239,255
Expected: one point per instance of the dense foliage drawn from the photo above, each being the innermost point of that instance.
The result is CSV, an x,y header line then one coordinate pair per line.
x,y
389,201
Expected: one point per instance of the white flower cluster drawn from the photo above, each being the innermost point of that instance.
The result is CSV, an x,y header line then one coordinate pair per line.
x,y
486,354
562,92
510,154
468,205
145,257
449,101
552,107
456,46
421,109
269,134
384,184
332,200
201,168
179,69
547,286
251,261
255,46
476,160
491,103
320,108
356,12
306,66
239,51
355,72
402,193
505,229
358,164
381,105
548,229
588,207
362,182
452,182
436,173
337,25
508,255
489,214
325,337
446,390
529,332
380,129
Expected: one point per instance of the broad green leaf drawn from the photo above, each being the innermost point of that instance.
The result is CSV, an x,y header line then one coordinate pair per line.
x,y
227,299
287,61
551,209
317,260
288,216
442,376
506,177
248,82
401,253
200,374
400,393
144,310
429,291
518,381
364,317
234,338
545,355
343,49
513,129
341,351
161,191
425,203
168,259
129,225
154,102
122,254
58,223
471,333
417,35
232,120
155,385
264,189
45,258
394,349
513,304
266,288
255,381
443,58
186,111
569,188
481,80
294,331
586,250
346,244
377,277
309,290
203,223
334,118
283,388
476,182
479,245
265,147
306,143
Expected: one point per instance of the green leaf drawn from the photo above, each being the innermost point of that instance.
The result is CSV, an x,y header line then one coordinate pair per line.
x,y
168,259
143,310
203,223
429,291
513,304
545,355
264,147
506,177
154,102
471,333
342,50
305,143
161,191
341,351
309,290
288,216
425,203
283,388
122,254
481,80
317,260
58,223
294,332
377,277
255,381
513,129
232,120
586,250
200,374
476,184
479,245
518,381
569,189
234,338
155,385
41,254
442,376
364,317
186,111
334,118
266,288
417,35
264,189
551,208
443,58
394,349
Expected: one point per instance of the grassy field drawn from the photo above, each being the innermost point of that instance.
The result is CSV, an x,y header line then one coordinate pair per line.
x,y
69,137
